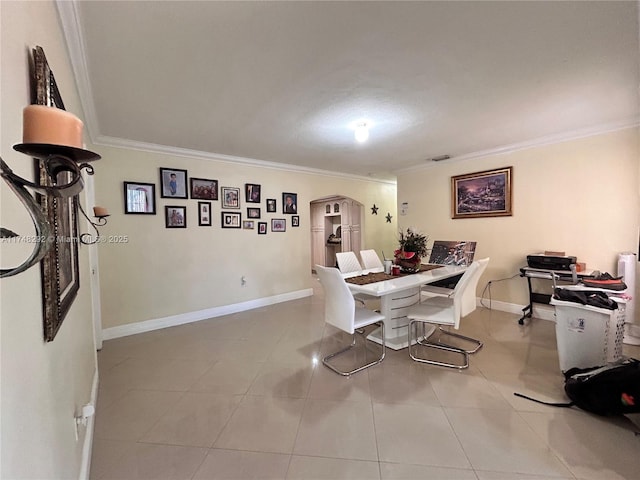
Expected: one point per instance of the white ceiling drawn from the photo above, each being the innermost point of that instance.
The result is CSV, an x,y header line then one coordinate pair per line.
x,y
286,81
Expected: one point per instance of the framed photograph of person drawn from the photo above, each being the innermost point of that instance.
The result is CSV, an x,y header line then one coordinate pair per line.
x,y
278,225
262,228
173,183
230,197
231,219
175,216
139,198
252,192
204,189
290,203
204,214
248,225
271,205
253,212
295,221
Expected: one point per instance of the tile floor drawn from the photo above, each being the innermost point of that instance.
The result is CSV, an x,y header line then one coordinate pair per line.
x,y
244,397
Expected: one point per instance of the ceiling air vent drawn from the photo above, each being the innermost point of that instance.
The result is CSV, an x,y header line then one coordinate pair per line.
x,y
440,158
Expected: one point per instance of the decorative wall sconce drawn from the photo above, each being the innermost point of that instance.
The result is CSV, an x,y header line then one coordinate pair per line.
x,y
53,136
101,214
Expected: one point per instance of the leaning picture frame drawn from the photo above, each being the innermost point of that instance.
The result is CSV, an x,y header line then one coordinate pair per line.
x,y
482,194
173,183
139,198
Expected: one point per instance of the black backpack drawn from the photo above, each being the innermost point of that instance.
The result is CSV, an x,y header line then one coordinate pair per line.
x,y
613,389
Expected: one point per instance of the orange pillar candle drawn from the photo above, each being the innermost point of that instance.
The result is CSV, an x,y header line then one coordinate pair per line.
x,y
41,124
100,212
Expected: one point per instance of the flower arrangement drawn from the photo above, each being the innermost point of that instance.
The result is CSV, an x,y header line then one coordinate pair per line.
x,y
413,246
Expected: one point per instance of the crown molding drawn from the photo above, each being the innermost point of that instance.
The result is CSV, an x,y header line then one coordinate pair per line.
x,y
72,29
218,157
632,122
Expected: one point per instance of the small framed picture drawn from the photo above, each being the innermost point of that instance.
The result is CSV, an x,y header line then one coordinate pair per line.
x,y
175,216
262,228
204,189
290,203
253,212
248,224
295,221
230,197
139,198
252,192
231,219
173,183
278,225
271,205
204,214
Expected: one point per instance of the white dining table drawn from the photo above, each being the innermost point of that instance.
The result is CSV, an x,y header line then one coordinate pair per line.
x,y
396,296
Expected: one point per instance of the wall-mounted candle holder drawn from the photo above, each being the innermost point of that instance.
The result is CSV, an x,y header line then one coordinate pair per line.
x,y
100,214
55,159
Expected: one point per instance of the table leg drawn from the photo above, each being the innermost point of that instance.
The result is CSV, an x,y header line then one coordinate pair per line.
x,y
394,307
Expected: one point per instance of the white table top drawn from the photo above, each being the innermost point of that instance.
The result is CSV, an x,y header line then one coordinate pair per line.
x,y
386,287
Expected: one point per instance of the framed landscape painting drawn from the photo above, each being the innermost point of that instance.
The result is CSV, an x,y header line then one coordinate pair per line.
x,y
482,194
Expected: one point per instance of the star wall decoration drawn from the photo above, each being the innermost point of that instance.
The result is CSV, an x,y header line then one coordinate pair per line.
x,y
374,210
389,217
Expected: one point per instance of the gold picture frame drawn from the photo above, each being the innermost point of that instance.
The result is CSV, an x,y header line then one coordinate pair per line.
x,y
482,194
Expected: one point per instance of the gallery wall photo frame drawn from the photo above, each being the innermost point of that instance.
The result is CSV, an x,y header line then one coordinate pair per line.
x,y
252,192
204,214
482,194
173,183
271,205
230,197
139,198
253,212
248,225
230,220
289,202
203,189
295,221
262,228
278,225
175,216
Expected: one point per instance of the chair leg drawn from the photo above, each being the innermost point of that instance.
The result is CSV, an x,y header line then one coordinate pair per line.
x,y
326,359
425,343
477,342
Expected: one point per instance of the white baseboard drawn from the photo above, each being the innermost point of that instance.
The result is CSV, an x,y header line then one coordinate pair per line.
x,y
87,446
542,312
181,319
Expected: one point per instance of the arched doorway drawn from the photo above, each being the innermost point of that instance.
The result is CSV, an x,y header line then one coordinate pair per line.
x,y
336,226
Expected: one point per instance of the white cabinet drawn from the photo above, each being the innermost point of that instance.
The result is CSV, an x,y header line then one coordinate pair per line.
x,y
340,217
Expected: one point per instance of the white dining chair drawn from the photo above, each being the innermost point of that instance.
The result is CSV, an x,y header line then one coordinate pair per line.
x,y
340,311
468,305
371,261
348,264
441,311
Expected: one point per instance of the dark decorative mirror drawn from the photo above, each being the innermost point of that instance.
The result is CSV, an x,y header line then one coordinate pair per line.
x,y
59,267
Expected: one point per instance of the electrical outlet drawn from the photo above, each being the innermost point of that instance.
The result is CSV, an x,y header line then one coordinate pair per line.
x,y
243,281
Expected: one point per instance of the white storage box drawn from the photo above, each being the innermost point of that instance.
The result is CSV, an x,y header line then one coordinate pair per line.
x,y
588,336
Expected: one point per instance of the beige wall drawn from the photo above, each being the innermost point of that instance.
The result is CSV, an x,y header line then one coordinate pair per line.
x,y
162,272
42,384
579,196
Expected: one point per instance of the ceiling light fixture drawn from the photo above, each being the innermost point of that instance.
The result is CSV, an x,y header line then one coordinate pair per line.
x,y
361,132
